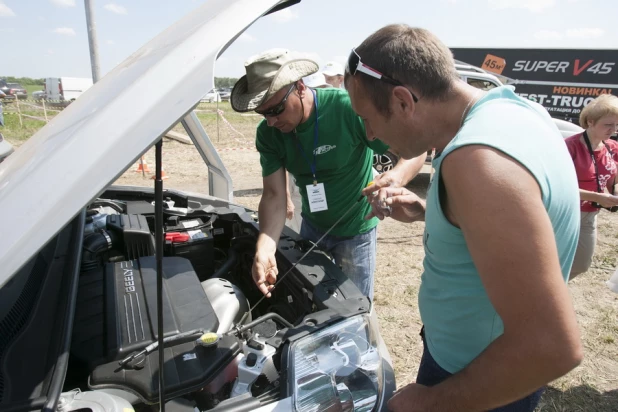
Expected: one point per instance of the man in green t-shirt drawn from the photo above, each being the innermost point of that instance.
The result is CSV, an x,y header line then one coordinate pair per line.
x,y
316,136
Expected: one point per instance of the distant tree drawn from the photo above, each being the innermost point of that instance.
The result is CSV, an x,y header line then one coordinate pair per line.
x,y
225,82
23,80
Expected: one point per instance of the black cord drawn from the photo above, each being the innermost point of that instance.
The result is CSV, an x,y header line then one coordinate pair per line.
x,y
159,260
203,225
104,202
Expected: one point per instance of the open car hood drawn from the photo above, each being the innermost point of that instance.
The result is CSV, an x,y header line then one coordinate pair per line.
x,y
71,160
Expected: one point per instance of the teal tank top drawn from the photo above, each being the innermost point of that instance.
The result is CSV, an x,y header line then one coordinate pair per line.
x,y
459,319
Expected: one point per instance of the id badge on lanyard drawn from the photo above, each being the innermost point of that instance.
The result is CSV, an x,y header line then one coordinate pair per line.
x,y
317,198
315,192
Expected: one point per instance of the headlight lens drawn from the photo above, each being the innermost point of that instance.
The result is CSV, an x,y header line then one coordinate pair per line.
x,y
338,368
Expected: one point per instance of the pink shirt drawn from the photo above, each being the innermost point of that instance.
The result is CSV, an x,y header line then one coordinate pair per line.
x,y
584,167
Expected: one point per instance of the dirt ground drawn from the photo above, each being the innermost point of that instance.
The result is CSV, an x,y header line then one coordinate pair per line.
x,y
591,387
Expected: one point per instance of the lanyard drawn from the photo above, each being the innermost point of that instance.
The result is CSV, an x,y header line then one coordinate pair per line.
x,y
315,140
594,161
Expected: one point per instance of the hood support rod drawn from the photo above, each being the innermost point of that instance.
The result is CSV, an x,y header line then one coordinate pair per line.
x,y
159,259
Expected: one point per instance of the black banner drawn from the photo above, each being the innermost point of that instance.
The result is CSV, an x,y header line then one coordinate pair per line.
x,y
552,65
562,101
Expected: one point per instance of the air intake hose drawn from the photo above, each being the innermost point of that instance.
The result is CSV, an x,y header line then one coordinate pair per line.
x,y
95,244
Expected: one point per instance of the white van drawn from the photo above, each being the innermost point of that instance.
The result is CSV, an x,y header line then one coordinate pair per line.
x,y
66,88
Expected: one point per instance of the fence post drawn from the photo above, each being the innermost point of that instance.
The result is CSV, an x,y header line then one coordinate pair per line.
x,y
21,123
44,111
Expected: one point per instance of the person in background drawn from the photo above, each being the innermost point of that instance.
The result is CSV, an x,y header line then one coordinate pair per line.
x,y
595,156
317,80
2,96
333,72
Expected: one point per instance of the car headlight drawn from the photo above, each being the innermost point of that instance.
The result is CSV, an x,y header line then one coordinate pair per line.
x,y
339,368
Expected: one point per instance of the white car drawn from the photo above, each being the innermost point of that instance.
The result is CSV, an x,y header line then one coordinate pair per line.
x,y
94,276
39,95
212,97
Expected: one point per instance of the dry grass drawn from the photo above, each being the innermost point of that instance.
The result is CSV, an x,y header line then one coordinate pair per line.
x,y
593,386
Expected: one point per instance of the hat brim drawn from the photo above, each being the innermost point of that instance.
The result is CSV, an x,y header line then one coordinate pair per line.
x,y
244,101
333,73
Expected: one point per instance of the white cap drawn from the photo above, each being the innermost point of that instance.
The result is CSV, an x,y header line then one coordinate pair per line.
x,y
316,80
332,69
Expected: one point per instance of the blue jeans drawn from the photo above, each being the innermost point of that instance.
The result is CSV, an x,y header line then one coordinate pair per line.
x,y
430,374
356,255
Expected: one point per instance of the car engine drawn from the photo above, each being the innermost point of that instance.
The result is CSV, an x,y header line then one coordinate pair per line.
x,y
207,290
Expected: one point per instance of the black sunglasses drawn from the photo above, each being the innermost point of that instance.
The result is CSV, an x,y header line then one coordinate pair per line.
x,y
278,109
356,65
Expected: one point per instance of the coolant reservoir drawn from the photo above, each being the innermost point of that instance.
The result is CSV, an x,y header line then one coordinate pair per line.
x,y
227,375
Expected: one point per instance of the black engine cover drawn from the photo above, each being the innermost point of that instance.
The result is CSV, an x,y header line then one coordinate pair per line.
x,y
116,310
187,367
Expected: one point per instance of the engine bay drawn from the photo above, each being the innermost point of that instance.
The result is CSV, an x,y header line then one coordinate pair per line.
x,y
207,291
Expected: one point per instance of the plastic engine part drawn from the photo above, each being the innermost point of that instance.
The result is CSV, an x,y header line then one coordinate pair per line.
x,y
116,308
137,239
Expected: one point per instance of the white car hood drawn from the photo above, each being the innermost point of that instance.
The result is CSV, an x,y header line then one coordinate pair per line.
x,y
70,161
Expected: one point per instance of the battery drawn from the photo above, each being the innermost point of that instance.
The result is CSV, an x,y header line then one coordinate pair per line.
x,y
196,245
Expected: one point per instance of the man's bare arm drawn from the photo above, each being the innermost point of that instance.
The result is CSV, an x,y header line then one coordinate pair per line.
x,y
271,213
272,208
408,169
498,206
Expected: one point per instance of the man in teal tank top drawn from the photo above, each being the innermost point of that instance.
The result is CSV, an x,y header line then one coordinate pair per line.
x,y
501,225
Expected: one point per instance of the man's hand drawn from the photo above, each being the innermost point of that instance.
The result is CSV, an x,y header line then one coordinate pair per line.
x,y
264,272
377,191
404,171
411,398
398,203
290,209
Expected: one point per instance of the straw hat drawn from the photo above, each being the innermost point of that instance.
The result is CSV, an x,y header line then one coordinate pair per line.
x,y
267,73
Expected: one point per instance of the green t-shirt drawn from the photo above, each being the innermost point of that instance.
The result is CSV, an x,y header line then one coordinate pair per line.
x,y
343,159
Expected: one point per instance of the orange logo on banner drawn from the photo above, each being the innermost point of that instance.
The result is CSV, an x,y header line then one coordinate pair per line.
x,y
494,64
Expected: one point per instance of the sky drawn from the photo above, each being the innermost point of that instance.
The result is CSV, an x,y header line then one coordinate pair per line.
x,y
48,38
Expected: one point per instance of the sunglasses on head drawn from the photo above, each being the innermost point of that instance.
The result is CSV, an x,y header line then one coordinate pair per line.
x,y
355,65
278,109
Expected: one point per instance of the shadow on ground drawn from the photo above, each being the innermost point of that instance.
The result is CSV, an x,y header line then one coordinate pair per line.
x,y
583,398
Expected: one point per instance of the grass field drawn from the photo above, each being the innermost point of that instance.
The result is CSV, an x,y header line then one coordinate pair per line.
x,y
15,131
33,88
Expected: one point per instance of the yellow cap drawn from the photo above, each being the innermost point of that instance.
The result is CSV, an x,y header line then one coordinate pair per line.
x,y
208,339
